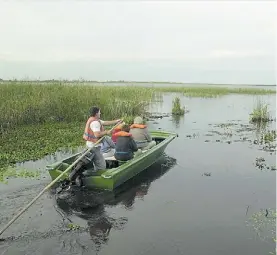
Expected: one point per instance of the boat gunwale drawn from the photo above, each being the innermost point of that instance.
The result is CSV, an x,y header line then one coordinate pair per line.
x,y
113,171
167,136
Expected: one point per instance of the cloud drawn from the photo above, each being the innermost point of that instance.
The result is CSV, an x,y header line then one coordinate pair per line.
x,y
73,31
206,35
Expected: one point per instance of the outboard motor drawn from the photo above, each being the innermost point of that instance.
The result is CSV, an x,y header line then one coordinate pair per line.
x,y
75,176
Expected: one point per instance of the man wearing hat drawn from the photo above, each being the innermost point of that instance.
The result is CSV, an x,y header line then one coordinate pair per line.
x,y
141,134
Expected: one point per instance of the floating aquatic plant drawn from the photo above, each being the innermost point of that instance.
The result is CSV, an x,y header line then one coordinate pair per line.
x,y
37,141
72,226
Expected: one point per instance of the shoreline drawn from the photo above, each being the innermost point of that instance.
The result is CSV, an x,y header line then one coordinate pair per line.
x,y
138,82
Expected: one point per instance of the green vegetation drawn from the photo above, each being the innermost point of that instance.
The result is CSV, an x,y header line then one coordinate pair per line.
x,y
176,108
72,226
36,141
214,91
40,102
260,113
43,102
269,136
127,119
12,172
27,103
38,118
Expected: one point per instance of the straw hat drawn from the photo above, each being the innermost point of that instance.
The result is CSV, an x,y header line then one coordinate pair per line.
x,y
138,120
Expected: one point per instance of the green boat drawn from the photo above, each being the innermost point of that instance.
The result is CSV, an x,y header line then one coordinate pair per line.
x,y
116,172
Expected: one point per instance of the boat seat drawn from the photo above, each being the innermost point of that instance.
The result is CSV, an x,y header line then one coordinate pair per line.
x,y
113,158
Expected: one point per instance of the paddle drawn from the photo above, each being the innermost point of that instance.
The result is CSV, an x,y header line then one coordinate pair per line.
x,y
53,182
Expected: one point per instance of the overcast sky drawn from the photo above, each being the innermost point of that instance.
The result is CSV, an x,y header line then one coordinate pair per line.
x,y
209,41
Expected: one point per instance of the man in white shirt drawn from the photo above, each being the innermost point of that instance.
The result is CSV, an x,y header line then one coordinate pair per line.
x,y
94,130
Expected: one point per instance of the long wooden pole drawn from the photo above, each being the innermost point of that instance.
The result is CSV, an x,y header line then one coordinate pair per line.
x,y
51,184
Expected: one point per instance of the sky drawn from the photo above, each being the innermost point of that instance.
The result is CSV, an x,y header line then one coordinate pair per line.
x,y
181,41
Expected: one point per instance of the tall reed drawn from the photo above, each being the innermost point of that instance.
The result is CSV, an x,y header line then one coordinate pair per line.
x,y
214,91
30,103
260,112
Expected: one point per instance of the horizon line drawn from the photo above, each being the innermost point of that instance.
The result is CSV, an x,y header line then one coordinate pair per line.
x,y
126,81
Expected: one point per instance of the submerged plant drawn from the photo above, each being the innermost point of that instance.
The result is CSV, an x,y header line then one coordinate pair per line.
x,y
11,172
260,113
176,109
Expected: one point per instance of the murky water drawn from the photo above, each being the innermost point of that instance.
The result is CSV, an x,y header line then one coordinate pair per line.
x,y
197,199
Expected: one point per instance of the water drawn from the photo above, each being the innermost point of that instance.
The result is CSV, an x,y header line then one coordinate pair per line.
x,y
198,199
165,84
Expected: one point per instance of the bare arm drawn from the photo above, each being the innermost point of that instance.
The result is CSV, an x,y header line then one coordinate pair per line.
x,y
110,122
96,128
100,134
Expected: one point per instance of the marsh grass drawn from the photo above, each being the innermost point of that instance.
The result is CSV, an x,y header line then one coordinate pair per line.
x,y
176,107
270,136
267,137
211,92
38,118
24,103
29,103
260,113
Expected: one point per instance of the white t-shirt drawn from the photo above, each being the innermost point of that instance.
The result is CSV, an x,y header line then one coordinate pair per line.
x,y
95,127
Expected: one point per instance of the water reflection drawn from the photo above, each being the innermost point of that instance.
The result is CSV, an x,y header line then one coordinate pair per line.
x,y
91,205
100,224
260,127
176,120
